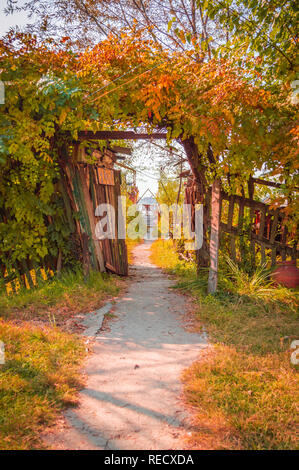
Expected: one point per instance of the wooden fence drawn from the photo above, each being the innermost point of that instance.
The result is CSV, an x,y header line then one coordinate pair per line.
x,y
267,230
243,218
82,187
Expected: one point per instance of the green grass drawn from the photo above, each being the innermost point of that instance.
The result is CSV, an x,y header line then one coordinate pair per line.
x,y
40,377
244,390
60,297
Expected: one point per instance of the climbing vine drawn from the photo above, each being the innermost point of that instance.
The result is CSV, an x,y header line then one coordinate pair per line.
x,y
52,92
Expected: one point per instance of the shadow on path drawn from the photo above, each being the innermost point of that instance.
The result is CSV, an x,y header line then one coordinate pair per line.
x,y
132,397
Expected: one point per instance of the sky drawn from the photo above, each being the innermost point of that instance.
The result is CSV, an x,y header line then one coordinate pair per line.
x,y
7,21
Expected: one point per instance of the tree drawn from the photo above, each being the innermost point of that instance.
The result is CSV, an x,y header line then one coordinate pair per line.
x,y
171,24
265,30
169,191
225,119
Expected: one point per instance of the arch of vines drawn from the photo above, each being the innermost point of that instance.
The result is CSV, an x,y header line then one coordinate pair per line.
x,y
219,110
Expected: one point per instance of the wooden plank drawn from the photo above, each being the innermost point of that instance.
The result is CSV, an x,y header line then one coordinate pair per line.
x,y
67,205
241,217
233,247
119,135
252,249
215,236
121,150
105,176
84,225
90,214
255,237
263,254
247,202
262,224
111,268
274,227
283,254
85,255
230,212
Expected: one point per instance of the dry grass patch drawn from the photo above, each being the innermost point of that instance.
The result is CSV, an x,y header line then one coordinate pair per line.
x,y
247,401
40,377
244,391
41,374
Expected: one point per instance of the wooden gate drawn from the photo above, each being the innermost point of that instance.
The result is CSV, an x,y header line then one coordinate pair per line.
x,y
87,186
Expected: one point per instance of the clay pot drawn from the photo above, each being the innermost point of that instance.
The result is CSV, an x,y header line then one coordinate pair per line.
x,y
287,274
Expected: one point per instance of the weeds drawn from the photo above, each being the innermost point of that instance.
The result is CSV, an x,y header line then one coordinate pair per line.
x,y
258,283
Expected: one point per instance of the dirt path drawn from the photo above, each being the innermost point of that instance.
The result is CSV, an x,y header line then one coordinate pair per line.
x,y
132,395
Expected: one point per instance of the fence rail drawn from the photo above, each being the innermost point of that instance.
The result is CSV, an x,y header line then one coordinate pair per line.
x,y
267,228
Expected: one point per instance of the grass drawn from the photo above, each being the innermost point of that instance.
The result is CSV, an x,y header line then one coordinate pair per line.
x,y
244,391
41,374
40,377
60,297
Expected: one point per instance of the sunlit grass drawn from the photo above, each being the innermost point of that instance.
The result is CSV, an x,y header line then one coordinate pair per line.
x,y
60,296
39,378
41,374
244,401
164,256
244,389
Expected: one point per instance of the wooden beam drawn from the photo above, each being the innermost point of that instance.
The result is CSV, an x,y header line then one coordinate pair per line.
x,y
272,184
119,135
122,150
184,174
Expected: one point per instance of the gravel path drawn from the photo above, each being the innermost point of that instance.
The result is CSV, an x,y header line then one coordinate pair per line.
x,y
132,396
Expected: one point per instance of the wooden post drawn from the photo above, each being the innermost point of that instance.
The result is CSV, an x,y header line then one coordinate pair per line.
x,y
91,217
214,239
85,256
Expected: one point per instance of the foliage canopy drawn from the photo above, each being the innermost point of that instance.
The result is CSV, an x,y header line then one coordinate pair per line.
x,y
52,92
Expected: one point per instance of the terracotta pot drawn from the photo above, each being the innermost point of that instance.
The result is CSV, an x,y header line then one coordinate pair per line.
x,y
287,274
